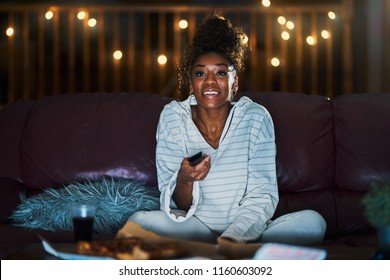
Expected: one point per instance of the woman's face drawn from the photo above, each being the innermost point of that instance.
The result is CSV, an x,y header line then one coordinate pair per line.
x,y
213,81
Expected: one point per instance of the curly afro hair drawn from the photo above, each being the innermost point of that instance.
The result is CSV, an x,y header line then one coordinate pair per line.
x,y
215,34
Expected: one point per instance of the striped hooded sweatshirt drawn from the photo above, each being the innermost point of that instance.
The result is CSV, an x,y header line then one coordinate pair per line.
x,y
240,193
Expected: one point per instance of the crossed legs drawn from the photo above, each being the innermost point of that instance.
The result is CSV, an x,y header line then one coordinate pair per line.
x,y
304,228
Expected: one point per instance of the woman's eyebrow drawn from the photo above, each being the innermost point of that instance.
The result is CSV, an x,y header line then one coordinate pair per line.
x,y
218,64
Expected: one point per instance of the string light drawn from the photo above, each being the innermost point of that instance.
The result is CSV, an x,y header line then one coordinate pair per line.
x,y
310,40
81,15
117,55
162,59
282,20
266,3
285,35
92,22
183,24
275,62
331,15
290,25
49,15
10,32
325,34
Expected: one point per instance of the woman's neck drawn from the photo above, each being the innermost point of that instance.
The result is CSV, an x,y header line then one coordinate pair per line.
x,y
210,123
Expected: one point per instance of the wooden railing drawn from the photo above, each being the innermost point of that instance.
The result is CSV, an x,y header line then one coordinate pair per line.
x,y
58,53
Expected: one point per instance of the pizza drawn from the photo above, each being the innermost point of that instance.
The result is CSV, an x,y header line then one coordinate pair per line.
x,y
131,248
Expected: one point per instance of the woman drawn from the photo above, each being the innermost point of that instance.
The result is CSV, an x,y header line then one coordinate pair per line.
x,y
232,192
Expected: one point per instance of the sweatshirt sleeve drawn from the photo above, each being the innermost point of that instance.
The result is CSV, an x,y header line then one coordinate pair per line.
x,y
170,152
261,197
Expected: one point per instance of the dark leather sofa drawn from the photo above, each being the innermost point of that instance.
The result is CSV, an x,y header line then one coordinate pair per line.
x,y
329,153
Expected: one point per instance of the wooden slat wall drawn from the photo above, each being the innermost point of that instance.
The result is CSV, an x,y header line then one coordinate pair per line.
x,y
116,46
41,56
347,46
162,30
11,62
131,54
56,53
71,52
26,56
86,57
299,53
255,56
329,61
268,53
63,57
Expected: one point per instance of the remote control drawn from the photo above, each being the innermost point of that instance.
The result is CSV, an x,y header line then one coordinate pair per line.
x,y
195,159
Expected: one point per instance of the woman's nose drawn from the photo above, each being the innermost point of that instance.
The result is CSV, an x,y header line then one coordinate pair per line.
x,y
210,78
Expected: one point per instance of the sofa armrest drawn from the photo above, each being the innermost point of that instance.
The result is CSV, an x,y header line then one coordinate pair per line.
x,y
10,190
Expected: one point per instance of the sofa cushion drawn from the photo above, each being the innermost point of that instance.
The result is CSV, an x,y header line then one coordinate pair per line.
x,y
320,201
73,138
362,125
304,139
13,118
115,201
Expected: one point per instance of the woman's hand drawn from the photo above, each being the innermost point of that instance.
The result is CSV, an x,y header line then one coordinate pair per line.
x,y
185,181
198,172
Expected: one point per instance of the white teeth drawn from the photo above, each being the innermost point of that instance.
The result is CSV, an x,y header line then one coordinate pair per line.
x,y
210,93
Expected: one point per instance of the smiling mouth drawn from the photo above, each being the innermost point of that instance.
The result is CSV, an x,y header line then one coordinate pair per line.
x,y
210,93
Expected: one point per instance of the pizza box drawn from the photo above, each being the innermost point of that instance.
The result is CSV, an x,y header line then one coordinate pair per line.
x,y
195,250
223,250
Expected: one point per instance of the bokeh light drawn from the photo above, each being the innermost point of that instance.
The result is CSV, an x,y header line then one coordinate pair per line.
x,y
49,15
92,22
325,34
282,20
10,32
290,25
183,24
162,59
331,15
81,15
117,55
285,35
310,40
266,3
275,62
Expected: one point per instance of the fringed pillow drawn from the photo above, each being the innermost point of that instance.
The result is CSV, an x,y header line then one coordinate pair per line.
x,y
115,201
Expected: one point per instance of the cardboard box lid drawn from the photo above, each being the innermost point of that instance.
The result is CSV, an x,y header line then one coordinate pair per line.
x,y
223,250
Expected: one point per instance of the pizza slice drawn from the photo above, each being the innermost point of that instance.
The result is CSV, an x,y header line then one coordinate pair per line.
x,y
131,248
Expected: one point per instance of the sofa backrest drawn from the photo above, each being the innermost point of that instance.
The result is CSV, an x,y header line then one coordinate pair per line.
x,y
362,133
305,152
68,138
362,130
89,136
328,153
13,118
304,139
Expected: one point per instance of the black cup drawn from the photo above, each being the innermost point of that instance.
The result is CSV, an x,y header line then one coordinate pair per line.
x,y
83,217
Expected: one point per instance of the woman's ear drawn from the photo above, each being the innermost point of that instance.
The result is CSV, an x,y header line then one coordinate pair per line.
x,y
191,89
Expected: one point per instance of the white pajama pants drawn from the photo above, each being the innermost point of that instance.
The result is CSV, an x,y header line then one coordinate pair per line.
x,y
304,228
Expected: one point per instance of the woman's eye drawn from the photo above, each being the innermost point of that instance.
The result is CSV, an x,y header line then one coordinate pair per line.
x,y
199,74
221,73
